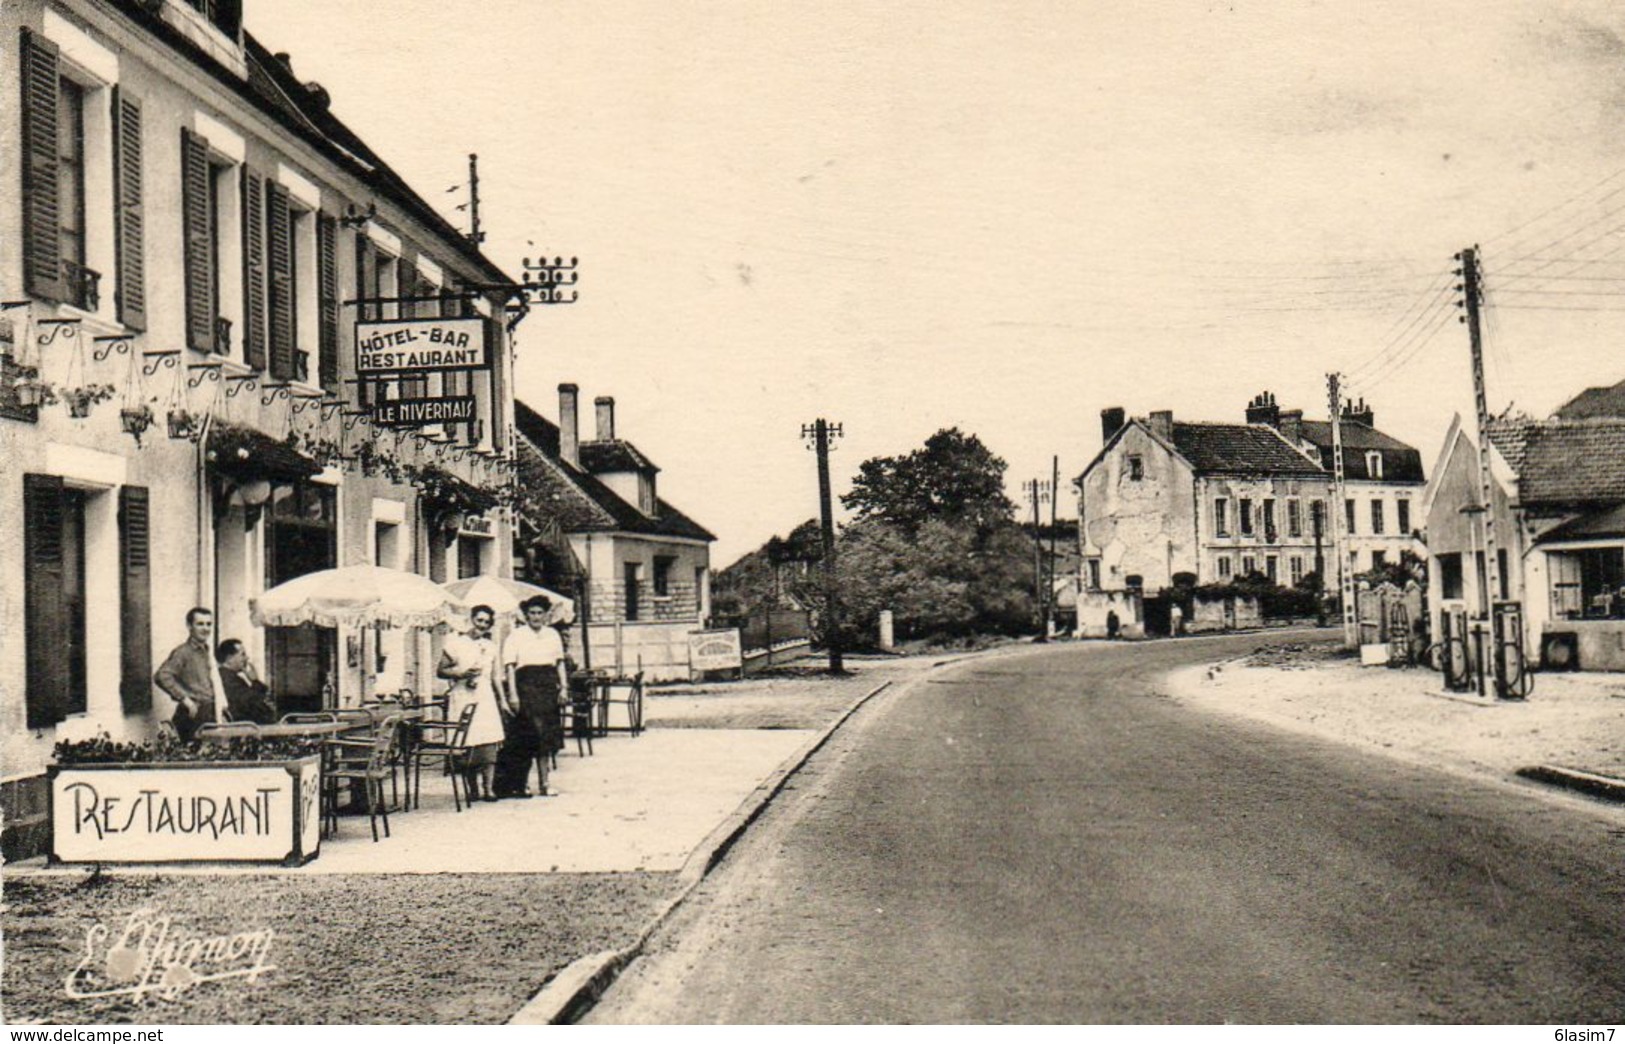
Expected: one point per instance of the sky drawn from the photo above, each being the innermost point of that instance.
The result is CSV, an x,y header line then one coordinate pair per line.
x,y
1006,216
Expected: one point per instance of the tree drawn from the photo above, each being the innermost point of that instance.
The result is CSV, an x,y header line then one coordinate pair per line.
x,y
953,479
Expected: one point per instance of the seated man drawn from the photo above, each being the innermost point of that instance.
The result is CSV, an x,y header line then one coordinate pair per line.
x,y
247,697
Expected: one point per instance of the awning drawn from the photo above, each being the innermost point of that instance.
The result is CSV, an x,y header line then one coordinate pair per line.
x,y
1607,524
247,454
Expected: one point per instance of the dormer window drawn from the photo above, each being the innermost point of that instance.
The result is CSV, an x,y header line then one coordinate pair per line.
x,y
224,15
646,495
1373,464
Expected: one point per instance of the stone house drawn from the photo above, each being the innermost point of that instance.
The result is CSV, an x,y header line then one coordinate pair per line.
x,y
639,567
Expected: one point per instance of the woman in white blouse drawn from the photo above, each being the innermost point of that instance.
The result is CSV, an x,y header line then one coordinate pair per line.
x,y
533,657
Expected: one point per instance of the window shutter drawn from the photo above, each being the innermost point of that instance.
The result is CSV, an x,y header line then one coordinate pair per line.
x,y
279,250
364,288
327,296
135,600
47,673
199,236
42,245
132,269
253,269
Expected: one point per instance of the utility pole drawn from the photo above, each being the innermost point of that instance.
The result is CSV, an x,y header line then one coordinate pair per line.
x,y
475,235
1036,493
1054,506
821,432
1472,296
1345,575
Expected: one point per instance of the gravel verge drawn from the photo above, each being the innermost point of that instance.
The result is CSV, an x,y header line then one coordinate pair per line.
x,y
1576,720
377,949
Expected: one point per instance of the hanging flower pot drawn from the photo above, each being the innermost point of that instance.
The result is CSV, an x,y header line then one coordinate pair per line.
x,y
81,399
182,425
135,420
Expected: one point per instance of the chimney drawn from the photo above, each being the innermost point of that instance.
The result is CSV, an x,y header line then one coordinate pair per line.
x,y
1360,413
1263,410
1291,426
606,417
1111,422
1162,424
569,433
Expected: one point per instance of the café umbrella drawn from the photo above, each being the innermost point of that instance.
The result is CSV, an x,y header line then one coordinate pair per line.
x,y
504,596
358,596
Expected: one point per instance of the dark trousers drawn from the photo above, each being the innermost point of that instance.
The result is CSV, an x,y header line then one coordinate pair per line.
x,y
186,724
528,739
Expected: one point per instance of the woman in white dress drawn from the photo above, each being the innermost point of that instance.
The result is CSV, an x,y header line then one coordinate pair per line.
x,y
469,662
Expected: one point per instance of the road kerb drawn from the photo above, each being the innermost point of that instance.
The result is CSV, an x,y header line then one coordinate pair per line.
x,y
1609,788
572,992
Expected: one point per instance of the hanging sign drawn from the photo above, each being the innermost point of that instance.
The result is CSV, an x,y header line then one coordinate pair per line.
x,y
418,413
414,346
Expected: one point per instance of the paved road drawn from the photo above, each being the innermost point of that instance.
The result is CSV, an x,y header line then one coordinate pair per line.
x,y
1042,837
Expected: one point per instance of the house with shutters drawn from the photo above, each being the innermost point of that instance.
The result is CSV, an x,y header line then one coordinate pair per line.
x,y
593,525
1165,501
187,230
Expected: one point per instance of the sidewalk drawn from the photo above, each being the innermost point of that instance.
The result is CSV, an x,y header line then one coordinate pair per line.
x,y
457,917
1576,721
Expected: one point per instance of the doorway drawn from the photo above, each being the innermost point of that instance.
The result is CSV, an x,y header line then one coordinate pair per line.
x,y
302,661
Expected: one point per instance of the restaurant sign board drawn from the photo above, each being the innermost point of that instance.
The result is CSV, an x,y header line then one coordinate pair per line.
x,y
173,812
418,413
715,650
416,346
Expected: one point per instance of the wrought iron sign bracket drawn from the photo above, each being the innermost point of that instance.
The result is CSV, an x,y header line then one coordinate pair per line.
x,y
209,371
158,359
120,343
68,329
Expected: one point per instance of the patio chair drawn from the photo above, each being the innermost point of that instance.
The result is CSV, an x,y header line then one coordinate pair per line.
x,y
583,712
370,773
632,701
445,741
227,730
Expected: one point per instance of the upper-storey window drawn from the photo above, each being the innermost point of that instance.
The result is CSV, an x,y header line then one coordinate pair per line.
x,y
217,214
81,176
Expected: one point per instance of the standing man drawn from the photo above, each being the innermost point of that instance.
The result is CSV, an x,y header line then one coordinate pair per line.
x,y
189,676
534,665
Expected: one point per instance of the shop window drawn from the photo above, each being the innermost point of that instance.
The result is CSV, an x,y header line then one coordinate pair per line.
x,y
1450,576
469,557
632,573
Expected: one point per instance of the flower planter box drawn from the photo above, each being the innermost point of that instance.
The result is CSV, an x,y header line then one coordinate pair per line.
x,y
186,812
